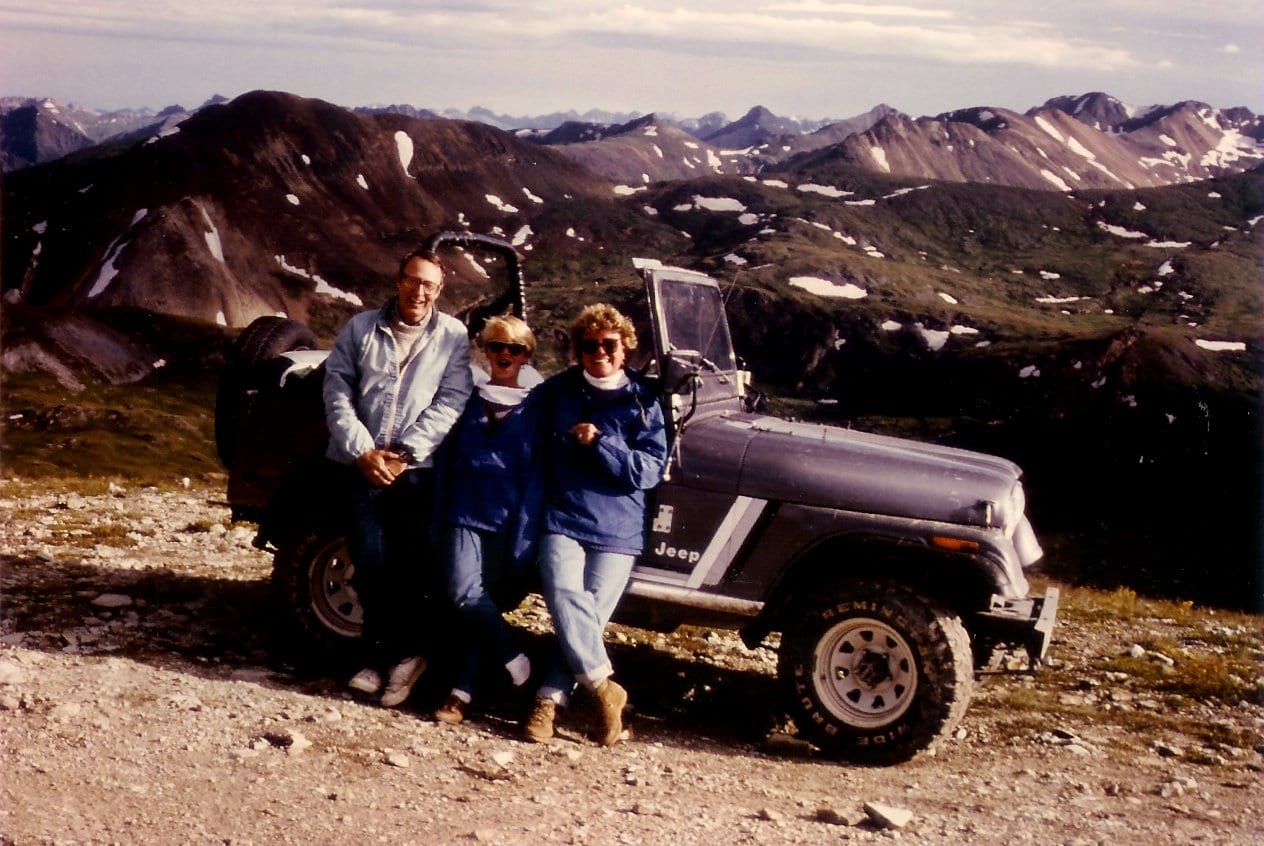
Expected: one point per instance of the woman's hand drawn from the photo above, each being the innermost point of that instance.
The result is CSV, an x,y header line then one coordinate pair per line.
x,y
586,433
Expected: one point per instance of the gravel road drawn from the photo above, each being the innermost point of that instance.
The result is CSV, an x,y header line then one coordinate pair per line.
x,y
144,698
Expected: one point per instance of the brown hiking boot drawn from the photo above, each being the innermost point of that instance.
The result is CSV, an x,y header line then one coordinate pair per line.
x,y
452,711
612,697
539,725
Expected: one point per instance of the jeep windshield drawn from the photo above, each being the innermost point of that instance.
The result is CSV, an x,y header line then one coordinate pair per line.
x,y
694,348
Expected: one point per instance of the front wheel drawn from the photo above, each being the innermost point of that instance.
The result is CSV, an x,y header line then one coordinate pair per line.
x,y
312,579
876,673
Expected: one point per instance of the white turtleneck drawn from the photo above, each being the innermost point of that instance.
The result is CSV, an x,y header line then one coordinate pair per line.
x,y
612,382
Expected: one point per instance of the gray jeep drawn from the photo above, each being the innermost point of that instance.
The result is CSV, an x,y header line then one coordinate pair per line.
x,y
890,567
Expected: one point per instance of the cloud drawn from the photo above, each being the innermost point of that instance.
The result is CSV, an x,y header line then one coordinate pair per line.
x,y
910,31
668,55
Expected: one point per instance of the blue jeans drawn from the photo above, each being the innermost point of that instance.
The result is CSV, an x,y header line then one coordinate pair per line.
x,y
581,588
477,570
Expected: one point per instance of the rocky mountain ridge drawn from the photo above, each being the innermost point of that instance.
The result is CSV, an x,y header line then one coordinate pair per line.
x,y
1194,139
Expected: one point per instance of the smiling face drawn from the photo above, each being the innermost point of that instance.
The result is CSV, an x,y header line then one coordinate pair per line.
x,y
505,357
418,287
602,353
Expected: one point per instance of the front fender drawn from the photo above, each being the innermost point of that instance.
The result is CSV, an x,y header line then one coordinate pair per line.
x,y
804,548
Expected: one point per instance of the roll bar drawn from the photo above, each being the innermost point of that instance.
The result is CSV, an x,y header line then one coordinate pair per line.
x,y
514,297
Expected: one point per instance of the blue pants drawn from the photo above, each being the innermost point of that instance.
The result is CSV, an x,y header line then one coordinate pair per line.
x,y
581,588
478,574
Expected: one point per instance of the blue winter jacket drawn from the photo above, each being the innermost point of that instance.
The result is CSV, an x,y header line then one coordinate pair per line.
x,y
596,494
484,466
370,404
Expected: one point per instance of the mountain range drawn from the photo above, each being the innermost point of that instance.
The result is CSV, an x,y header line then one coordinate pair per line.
x,y
1077,287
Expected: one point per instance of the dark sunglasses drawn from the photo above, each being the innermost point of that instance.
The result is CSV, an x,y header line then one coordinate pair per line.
x,y
590,346
498,347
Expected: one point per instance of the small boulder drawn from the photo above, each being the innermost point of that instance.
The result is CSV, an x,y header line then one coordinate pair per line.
x,y
888,816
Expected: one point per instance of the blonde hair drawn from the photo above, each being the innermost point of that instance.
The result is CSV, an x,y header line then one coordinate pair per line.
x,y
514,327
602,317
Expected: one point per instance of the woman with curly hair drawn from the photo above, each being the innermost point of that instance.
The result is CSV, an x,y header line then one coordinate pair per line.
x,y
603,445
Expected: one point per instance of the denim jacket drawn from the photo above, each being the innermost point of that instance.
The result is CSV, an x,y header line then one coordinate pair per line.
x,y
371,404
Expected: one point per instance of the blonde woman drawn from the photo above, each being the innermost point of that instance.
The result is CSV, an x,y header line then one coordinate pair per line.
x,y
483,481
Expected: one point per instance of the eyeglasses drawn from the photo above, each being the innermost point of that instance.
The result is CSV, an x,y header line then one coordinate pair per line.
x,y
417,282
589,346
498,347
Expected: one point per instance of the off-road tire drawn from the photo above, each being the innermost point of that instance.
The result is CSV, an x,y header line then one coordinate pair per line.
x,y
875,673
311,581
266,337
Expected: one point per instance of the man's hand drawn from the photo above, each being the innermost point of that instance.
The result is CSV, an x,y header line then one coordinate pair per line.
x,y
380,466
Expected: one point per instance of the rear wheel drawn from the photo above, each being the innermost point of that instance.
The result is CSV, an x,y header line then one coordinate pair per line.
x,y
266,337
876,673
312,579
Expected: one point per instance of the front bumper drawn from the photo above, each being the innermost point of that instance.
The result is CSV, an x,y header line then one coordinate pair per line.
x,y
1023,622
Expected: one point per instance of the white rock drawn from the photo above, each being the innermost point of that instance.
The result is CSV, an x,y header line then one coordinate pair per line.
x,y
888,816
298,743
11,673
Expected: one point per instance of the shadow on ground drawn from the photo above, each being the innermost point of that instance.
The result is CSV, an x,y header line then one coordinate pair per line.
x,y
231,628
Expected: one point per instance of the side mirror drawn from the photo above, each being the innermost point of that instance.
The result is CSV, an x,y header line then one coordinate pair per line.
x,y
680,369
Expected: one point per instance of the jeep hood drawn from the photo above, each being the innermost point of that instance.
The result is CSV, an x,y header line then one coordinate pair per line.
x,y
852,471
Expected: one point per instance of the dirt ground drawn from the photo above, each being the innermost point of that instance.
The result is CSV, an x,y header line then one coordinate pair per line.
x,y
144,698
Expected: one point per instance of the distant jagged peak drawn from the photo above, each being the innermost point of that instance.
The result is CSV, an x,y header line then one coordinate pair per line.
x,y
757,114
839,129
700,127
757,124
987,118
397,109
640,124
1096,108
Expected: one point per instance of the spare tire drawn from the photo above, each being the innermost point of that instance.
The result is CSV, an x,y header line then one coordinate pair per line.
x,y
265,338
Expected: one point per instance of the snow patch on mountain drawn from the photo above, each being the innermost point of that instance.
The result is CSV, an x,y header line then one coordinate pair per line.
x,y
404,145
109,269
500,204
826,288
322,287
1221,346
825,190
212,236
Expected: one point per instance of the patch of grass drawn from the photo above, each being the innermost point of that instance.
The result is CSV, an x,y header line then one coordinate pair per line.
x,y
1200,677
1123,603
153,432
103,534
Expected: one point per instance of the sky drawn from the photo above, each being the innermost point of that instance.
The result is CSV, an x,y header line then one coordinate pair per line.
x,y
814,59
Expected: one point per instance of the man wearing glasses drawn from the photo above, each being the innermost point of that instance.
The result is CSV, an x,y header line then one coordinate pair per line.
x,y
395,383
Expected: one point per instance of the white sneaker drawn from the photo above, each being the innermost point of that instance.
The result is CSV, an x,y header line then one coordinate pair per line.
x,y
403,676
366,681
